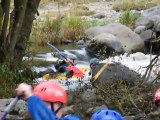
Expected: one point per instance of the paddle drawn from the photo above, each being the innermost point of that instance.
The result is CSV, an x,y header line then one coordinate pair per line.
x,y
9,108
58,51
95,77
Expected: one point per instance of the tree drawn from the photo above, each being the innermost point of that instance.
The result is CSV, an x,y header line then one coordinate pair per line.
x,y
15,28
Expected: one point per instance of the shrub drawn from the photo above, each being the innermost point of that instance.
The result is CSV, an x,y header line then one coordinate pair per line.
x,y
128,18
72,28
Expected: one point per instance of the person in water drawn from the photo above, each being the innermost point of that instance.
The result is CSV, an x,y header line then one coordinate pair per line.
x,y
45,101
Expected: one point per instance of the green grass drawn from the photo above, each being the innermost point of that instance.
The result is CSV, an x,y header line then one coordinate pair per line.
x,y
72,28
128,18
134,4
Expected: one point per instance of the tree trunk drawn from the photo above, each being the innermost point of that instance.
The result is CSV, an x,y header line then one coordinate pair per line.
x,y
12,47
21,44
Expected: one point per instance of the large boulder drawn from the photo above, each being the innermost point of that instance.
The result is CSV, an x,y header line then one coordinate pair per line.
x,y
116,72
114,34
109,40
150,20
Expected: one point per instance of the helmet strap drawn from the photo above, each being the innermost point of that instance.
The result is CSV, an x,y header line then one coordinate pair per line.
x,y
52,107
59,108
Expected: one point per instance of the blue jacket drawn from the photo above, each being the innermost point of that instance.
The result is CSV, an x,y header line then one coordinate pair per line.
x,y
39,110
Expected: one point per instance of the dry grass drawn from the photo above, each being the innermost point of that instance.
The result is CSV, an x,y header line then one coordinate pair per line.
x,y
80,10
134,4
72,28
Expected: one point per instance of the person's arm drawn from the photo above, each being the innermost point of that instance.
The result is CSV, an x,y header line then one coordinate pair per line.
x,y
39,110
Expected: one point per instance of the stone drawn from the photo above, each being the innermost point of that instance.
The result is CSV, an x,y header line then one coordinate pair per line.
x,y
139,29
147,35
129,40
144,21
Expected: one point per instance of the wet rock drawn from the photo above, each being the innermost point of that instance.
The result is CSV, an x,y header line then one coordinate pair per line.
x,y
116,72
139,29
89,95
129,40
80,42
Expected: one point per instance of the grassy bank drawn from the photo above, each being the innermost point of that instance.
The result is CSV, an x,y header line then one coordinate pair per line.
x,y
134,4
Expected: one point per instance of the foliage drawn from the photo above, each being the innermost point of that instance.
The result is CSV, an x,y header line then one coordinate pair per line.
x,y
129,99
128,18
72,28
9,80
120,95
45,31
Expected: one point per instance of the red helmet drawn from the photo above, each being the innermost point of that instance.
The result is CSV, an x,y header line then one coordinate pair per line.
x,y
156,97
51,91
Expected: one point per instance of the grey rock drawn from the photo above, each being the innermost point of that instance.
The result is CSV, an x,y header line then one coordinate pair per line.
x,y
109,40
157,27
151,11
147,35
80,42
99,15
19,111
139,29
116,72
129,40
155,19
89,95
144,21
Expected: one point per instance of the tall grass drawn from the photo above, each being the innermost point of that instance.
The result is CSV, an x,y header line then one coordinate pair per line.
x,y
128,18
72,28
134,4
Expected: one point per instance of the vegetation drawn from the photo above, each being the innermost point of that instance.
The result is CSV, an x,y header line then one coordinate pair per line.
x,y
80,10
9,80
128,18
134,4
72,28
121,96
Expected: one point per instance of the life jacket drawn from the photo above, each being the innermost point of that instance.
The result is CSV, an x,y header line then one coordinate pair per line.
x,y
76,72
